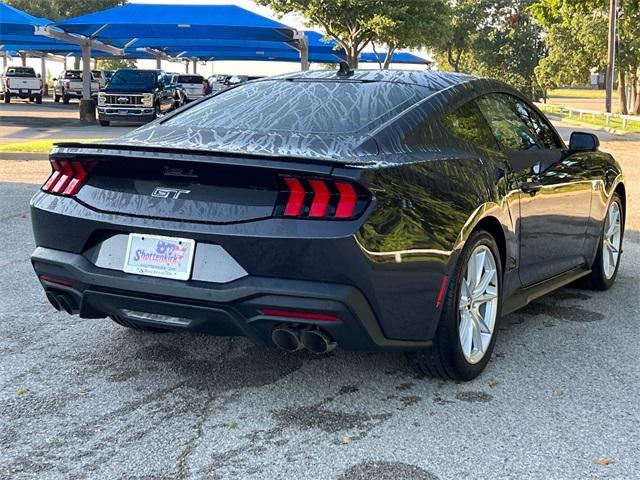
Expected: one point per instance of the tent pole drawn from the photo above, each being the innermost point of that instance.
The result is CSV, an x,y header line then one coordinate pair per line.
x,y
86,71
302,47
158,62
186,66
43,73
195,66
23,56
4,61
87,105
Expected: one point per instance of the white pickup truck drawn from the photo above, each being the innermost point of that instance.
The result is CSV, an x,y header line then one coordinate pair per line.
x,y
21,82
192,84
69,85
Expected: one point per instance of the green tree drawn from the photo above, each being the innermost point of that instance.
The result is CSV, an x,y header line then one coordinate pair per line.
x,y
496,39
413,25
59,9
114,63
577,43
353,24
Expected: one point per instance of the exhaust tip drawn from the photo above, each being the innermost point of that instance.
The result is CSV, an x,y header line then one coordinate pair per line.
x,y
286,339
53,301
317,341
66,302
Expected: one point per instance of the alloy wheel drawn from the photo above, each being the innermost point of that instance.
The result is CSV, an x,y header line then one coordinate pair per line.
x,y
611,240
478,304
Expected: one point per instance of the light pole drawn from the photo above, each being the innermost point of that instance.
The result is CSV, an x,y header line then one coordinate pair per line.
x,y
610,80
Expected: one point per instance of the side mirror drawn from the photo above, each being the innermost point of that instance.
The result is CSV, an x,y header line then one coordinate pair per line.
x,y
583,142
38,75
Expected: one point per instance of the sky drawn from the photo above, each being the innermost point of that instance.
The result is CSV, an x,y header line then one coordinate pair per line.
x,y
226,67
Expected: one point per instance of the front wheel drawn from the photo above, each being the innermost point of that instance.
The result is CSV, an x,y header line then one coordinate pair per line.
x,y
104,123
470,314
39,99
7,98
56,98
65,99
605,267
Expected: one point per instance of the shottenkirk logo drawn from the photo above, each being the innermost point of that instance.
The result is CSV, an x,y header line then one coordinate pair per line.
x,y
164,192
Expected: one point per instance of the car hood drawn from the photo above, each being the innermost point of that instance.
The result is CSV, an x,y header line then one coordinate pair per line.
x,y
335,148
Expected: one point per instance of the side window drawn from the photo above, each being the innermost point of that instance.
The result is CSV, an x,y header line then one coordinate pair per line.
x,y
468,124
538,125
508,127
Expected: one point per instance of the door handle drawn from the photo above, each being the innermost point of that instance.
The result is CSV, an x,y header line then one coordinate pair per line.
x,y
530,187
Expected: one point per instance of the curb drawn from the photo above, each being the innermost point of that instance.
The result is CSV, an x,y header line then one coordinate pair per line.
x,y
24,156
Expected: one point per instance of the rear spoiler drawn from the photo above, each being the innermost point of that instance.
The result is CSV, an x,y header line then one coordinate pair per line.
x,y
104,151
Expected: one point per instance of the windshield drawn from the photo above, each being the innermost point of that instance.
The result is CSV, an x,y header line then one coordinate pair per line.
x,y
301,106
21,72
189,79
134,77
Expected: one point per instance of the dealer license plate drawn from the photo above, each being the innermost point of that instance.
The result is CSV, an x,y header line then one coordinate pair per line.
x,y
158,256
123,112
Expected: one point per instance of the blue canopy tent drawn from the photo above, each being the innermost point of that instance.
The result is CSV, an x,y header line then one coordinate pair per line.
x,y
17,22
119,25
124,26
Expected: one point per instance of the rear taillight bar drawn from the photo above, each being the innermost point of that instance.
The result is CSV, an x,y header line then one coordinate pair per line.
x,y
320,199
67,177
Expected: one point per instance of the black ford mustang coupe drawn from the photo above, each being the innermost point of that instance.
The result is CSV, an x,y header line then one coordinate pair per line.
x,y
368,210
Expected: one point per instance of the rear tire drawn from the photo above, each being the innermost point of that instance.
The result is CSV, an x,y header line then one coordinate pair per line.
x,y
135,326
467,318
65,99
39,99
7,98
56,98
605,270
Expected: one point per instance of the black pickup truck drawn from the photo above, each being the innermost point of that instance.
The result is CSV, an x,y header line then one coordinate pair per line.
x,y
138,95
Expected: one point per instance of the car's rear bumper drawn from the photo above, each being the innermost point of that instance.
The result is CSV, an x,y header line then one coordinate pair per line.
x,y
234,308
24,93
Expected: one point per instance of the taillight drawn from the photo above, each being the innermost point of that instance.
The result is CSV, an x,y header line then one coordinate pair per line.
x,y
67,177
7,83
320,199
67,84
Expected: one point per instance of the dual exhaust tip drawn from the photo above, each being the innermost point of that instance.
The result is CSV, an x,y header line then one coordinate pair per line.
x,y
292,339
62,301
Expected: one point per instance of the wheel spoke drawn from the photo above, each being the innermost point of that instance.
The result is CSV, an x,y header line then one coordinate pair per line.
x,y
483,284
477,336
480,321
465,333
479,267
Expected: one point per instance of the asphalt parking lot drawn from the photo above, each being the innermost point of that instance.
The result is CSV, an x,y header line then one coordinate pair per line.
x,y
89,399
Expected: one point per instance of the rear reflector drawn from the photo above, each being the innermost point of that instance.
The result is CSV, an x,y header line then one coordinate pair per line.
x,y
58,281
443,289
274,312
320,199
67,177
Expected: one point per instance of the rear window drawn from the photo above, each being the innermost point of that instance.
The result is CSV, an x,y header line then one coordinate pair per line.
x,y
301,106
73,74
21,72
189,79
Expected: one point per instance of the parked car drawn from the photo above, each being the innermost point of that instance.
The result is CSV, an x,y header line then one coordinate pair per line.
x,y
69,85
236,79
192,85
138,95
371,210
21,82
218,82
102,76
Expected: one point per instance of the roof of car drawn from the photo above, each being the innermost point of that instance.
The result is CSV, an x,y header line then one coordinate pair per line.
x,y
426,78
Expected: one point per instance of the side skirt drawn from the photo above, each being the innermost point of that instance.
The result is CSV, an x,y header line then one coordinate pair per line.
x,y
526,295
